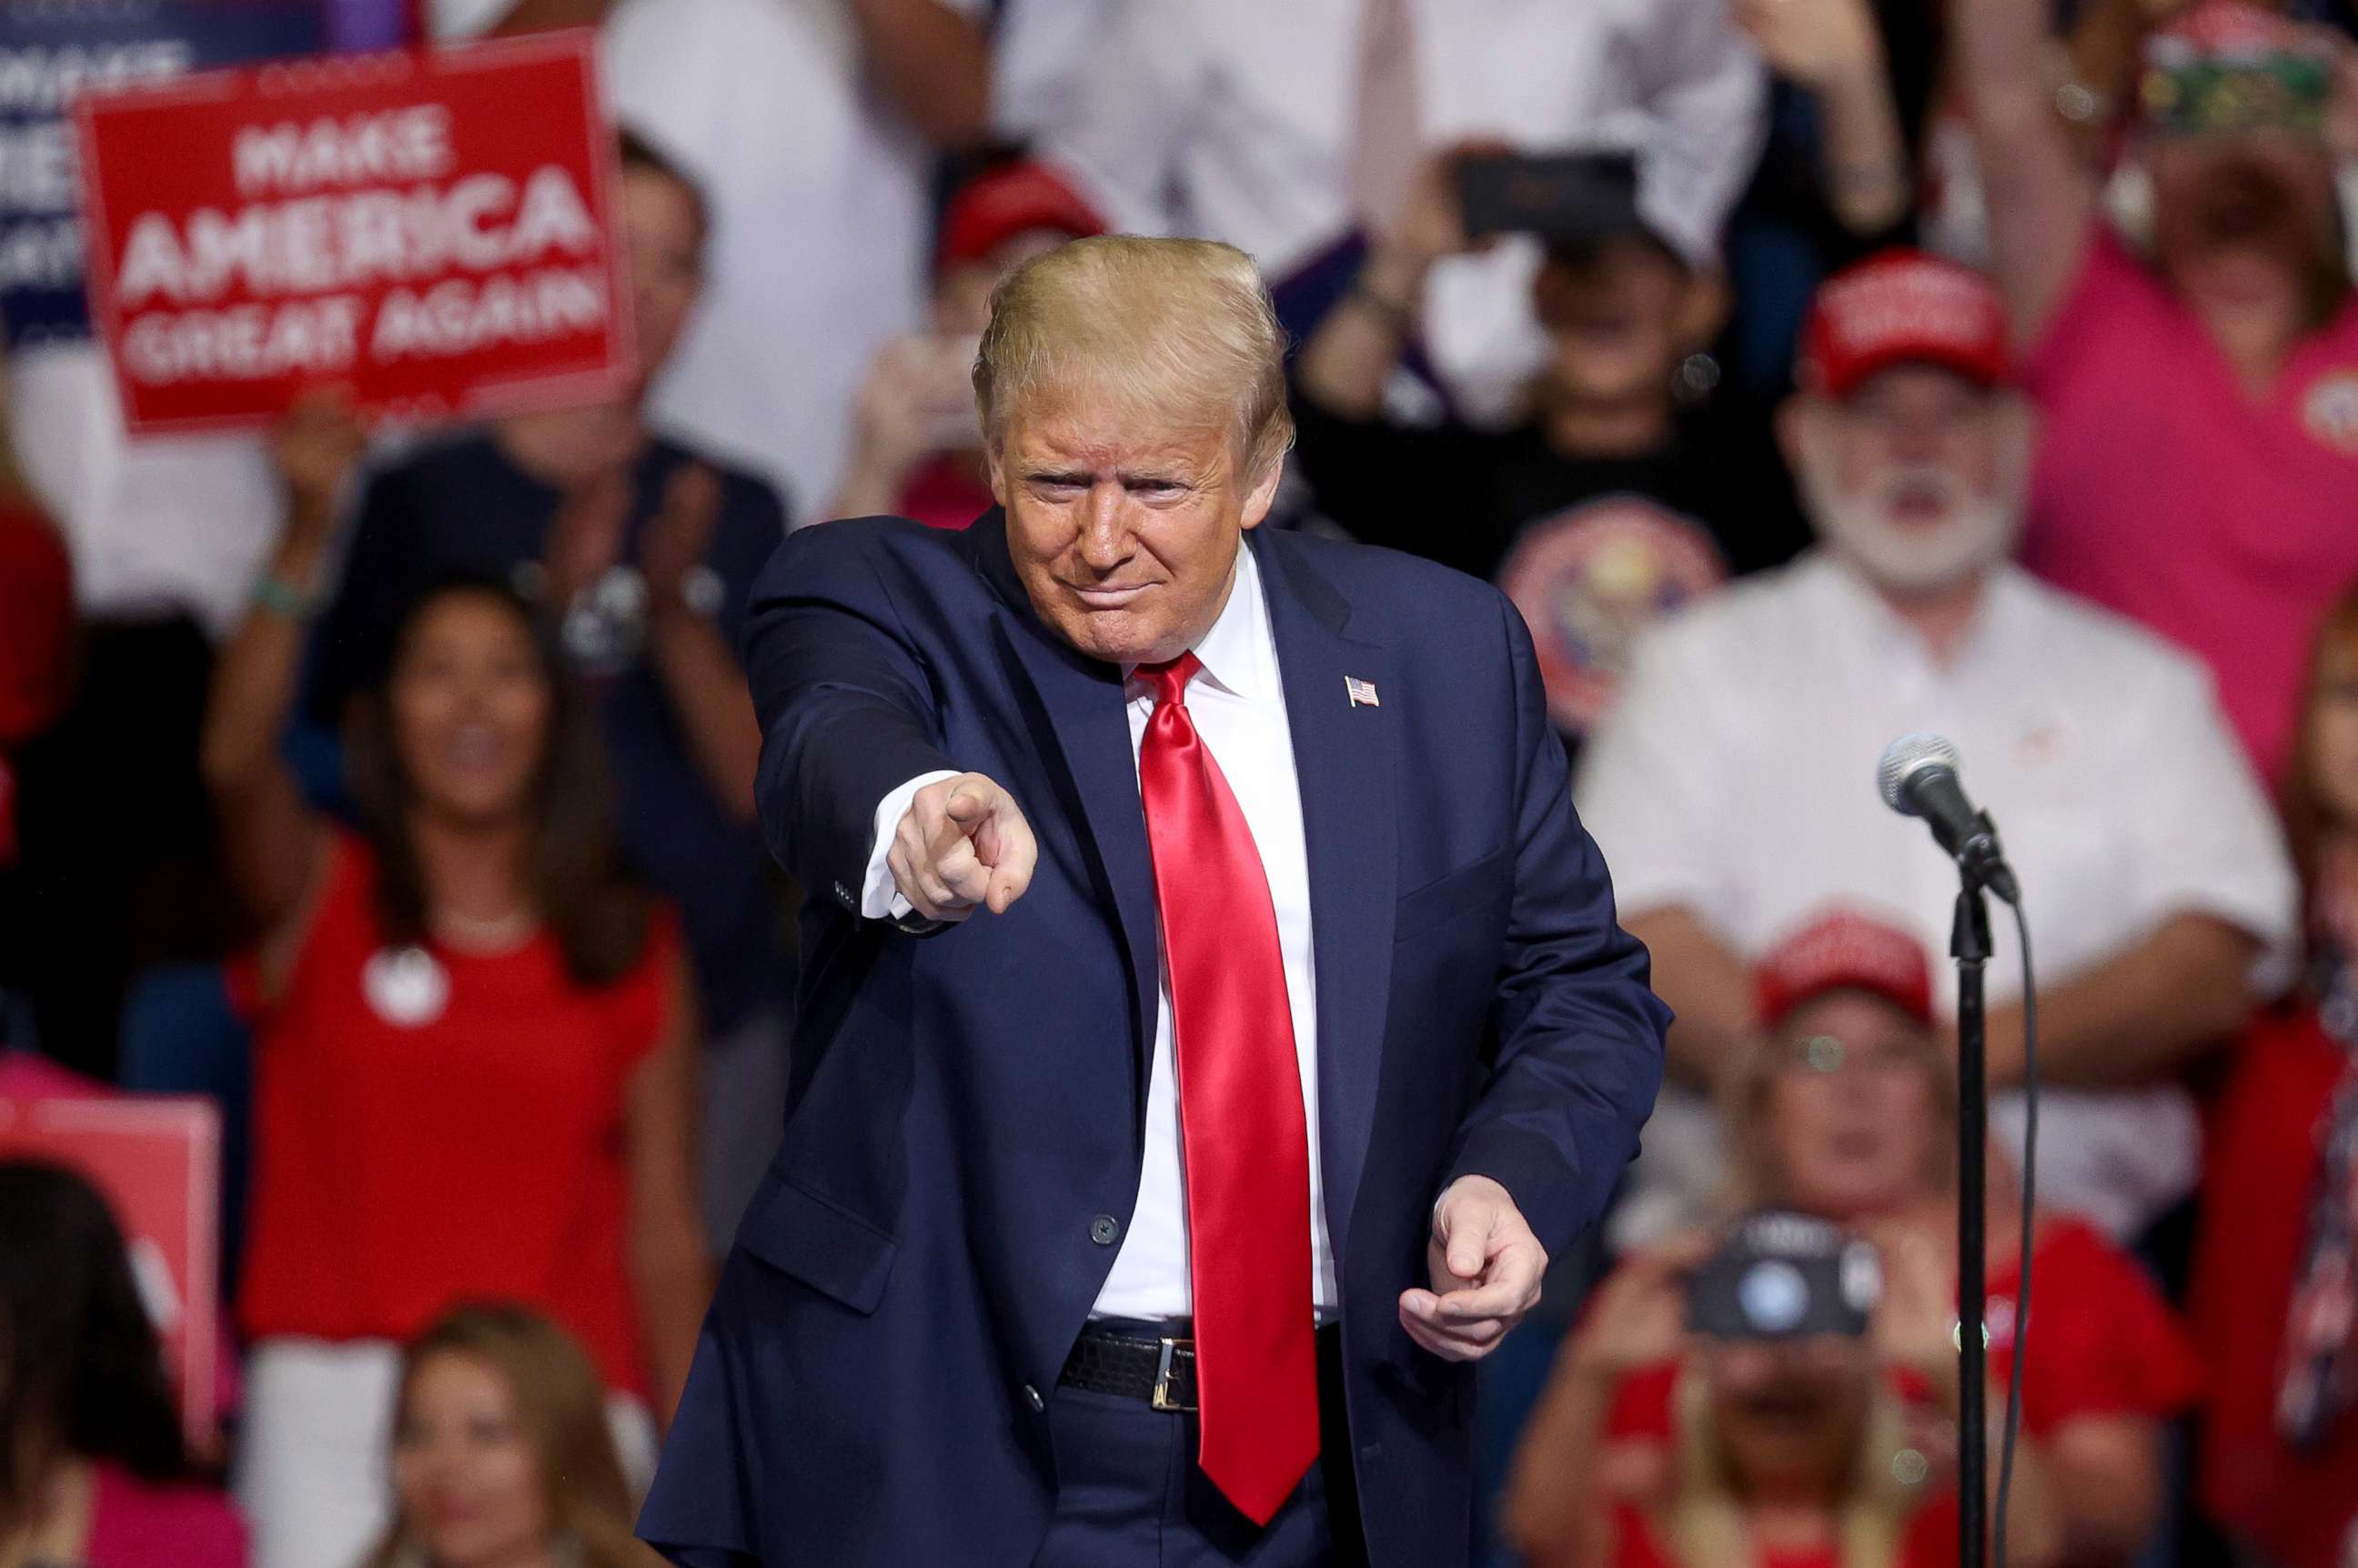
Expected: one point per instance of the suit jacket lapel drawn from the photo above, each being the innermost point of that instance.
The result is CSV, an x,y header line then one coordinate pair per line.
x,y
1080,703
1342,759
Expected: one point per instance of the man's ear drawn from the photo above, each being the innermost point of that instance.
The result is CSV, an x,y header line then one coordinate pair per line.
x,y
993,462
1703,309
1263,494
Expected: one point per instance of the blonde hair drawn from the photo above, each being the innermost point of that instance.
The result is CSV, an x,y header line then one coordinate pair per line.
x,y
1162,332
561,1406
1704,1522
1754,1178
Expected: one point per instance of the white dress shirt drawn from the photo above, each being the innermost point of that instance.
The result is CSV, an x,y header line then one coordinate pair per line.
x,y
1238,707
1234,120
1735,778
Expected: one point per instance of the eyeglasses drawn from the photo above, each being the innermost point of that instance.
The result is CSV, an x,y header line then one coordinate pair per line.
x,y
1831,1053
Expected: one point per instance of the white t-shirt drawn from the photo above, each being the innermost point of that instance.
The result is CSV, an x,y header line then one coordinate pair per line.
x,y
821,217
1735,777
1233,119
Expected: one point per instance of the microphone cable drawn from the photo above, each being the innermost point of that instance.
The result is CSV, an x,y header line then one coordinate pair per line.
x,y
2013,1423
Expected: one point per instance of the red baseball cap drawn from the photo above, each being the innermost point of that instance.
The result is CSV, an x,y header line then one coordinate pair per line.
x,y
1844,950
1902,306
2226,29
1012,199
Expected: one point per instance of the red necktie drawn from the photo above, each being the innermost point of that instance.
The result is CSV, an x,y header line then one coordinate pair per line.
x,y
1246,1145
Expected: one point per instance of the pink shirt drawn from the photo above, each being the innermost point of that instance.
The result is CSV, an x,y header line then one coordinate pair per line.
x,y
137,1525
2161,492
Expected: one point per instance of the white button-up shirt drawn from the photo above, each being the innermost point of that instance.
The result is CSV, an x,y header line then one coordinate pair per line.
x,y
1238,707
1234,120
1736,779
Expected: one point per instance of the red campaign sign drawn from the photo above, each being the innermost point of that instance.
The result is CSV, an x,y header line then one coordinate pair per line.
x,y
156,1158
431,229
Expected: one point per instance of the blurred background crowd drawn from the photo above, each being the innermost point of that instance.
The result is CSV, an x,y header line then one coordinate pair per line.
x,y
1807,371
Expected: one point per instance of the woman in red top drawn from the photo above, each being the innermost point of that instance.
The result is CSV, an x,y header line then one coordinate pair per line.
x,y
472,1034
1848,1112
2276,1267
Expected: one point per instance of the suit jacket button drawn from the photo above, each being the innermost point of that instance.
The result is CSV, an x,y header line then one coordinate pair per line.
x,y
1031,1397
1104,1229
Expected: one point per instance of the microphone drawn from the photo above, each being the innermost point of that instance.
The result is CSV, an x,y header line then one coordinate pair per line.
x,y
1918,778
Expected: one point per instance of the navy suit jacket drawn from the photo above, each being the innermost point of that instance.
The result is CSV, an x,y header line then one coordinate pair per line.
x,y
875,1378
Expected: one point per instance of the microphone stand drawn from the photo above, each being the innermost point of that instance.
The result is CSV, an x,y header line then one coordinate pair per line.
x,y
1969,944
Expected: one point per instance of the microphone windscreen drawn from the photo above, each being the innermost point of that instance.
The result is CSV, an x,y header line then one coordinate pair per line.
x,y
1904,758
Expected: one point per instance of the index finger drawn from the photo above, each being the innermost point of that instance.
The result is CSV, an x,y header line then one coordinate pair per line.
x,y
1019,854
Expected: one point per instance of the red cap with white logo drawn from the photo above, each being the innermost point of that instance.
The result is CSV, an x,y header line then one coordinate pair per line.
x,y
1009,200
1902,306
1844,950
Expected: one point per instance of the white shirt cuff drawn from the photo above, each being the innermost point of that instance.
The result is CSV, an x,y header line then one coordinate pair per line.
x,y
880,897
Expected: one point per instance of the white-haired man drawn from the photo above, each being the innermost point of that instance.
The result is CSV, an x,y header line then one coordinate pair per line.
x,y
1150,1217
1735,779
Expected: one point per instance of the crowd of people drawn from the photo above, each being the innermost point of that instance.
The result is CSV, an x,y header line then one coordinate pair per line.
x,y
1859,367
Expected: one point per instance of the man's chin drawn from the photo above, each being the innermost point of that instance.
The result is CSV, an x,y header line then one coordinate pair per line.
x,y
1115,636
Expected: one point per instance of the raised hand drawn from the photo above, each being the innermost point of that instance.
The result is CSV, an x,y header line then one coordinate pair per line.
x,y
315,446
1640,1316
1813,42
963,845
680,532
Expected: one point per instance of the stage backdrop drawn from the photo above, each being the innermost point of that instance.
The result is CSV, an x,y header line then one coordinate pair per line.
x,y
51,50
432,231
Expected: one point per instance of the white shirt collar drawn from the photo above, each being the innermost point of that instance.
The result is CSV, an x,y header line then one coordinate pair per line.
x,y
1237,653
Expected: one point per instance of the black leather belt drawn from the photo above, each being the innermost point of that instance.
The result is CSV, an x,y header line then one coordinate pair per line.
x,y
1162,1373
1129,1361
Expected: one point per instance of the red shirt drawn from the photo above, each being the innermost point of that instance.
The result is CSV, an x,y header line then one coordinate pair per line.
x,y
135,1524
2105,1344
945,494
413,1150
36,624
2163,493
1929,1541
2261,1165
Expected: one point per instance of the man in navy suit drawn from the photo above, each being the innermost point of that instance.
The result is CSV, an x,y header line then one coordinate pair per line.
x,y
1215,1013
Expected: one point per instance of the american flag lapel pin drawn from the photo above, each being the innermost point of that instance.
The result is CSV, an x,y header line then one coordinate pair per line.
x,y
1361,693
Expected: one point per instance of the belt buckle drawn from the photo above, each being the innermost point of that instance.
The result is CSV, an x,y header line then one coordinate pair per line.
x,y
1162,1398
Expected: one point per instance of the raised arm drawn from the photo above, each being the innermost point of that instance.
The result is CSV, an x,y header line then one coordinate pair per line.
x,y
844,703
1355,350
1570,1475
272,837
692,657
2042,202
1833,49
934,62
